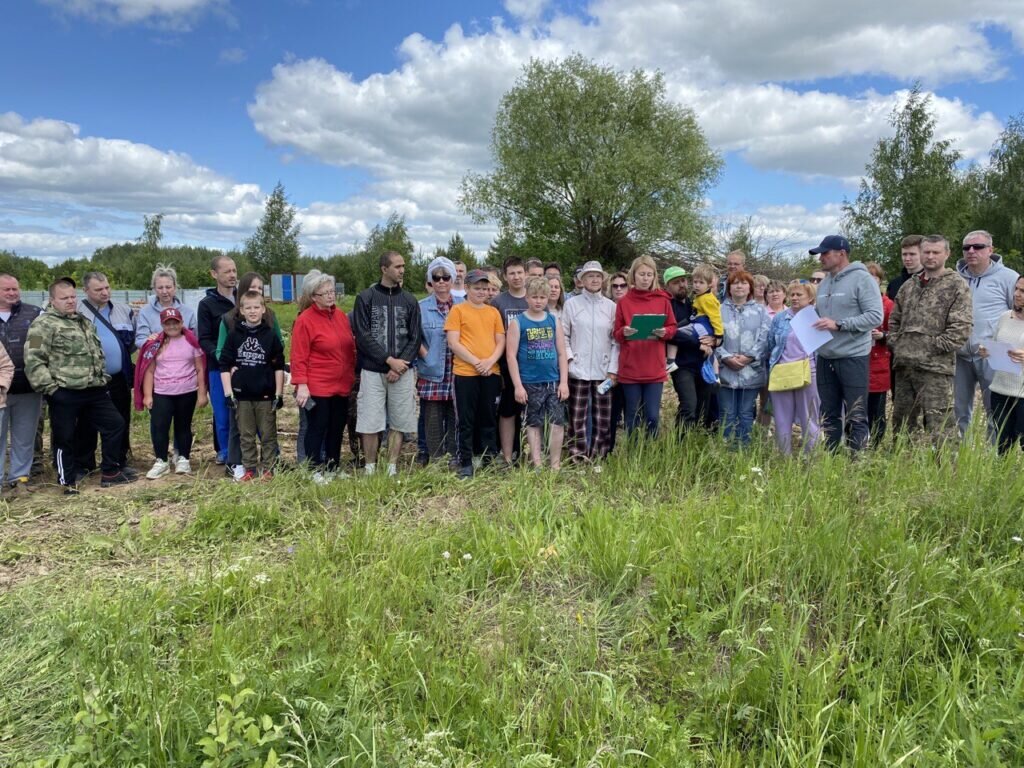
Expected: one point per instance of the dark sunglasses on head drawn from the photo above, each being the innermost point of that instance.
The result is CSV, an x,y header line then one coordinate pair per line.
x,y
441,278
975,247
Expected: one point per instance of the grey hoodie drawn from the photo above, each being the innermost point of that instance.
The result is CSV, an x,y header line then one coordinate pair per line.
x,y
851,298
992,295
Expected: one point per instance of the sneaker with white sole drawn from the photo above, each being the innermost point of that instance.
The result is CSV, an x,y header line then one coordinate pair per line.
x,y
159,469
182,466
238,472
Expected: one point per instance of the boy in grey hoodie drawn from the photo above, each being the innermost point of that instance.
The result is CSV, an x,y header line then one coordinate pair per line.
x,y
850,306
991,285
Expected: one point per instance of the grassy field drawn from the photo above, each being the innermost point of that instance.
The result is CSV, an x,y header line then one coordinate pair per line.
x,y
685,605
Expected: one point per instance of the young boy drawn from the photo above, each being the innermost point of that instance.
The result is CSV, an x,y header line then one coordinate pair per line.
x,y
252,371
707,314
539,368
172,375
476,337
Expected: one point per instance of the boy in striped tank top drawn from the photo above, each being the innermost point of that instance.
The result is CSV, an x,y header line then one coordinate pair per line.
x,y
539,369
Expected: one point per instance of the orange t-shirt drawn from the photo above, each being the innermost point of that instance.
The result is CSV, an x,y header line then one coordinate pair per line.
x,y
476,327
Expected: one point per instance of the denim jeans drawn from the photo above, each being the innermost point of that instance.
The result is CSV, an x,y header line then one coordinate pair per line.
x,y
737,413
843,390
642,396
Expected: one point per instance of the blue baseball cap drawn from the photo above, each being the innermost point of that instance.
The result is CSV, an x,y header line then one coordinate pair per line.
x,y
831,243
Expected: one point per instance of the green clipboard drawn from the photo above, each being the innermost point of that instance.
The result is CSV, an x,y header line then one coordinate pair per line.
x,y
645,325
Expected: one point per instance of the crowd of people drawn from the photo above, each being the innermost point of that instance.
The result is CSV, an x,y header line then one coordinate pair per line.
x,y
463,370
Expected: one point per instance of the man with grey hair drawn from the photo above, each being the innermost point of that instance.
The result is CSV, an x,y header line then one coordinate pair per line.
x,y
991,285
24,405
115,326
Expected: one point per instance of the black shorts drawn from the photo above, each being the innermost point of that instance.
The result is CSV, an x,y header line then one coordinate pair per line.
x,y
507,405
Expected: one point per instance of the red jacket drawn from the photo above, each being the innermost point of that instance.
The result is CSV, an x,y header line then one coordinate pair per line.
x,y
323,352
642,362
878,363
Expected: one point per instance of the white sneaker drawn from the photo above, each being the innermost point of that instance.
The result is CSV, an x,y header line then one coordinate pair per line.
x,y
322,478
159,469
392,470
238,471
369,468
182,466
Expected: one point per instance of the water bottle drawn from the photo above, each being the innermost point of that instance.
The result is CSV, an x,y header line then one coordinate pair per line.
x,y
605,387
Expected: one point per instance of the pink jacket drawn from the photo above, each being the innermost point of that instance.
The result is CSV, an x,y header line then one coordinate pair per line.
x,y
147,357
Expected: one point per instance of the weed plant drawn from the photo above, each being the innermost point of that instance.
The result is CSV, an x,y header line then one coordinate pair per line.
x,y
680,605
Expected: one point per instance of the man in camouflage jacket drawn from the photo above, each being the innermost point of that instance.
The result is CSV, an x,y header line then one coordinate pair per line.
x,y
64,360
931,319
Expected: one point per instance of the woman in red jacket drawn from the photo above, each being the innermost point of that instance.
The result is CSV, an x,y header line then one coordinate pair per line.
x,y
879,378
642,362
323,370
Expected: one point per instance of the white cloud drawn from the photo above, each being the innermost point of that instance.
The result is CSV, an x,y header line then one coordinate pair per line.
x,y
233,56
527,10
177,14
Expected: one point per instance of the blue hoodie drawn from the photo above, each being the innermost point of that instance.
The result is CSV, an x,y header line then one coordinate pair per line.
x,y
851,298
992,295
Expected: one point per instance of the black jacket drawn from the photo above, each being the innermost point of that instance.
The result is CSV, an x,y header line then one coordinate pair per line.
x,y
13,334
257,353
208,318
386,323
896,283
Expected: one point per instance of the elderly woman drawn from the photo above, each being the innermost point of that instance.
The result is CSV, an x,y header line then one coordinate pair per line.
x,y
323,371
434,371
164,284
741,357
793,405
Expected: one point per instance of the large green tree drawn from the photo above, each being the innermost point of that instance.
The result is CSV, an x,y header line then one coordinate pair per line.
x,y
1002,206
912,185
274,247
457,251
592,163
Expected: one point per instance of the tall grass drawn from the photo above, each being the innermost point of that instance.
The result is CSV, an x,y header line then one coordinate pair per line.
x,y
685,605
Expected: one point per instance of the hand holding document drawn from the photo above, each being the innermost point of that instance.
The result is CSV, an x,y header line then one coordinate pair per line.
x,y
999,356
810,337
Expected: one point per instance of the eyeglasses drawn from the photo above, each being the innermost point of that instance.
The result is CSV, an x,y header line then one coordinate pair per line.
x,y
445,278
816,279
323,294
619,286
976,247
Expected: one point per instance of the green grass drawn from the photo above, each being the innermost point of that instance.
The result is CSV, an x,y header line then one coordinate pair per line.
x,y
687,605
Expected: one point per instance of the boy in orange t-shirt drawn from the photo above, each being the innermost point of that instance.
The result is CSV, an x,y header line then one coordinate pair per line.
x,y
476,337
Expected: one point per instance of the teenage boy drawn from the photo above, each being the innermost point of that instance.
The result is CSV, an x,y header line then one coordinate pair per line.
x,y
252,375
509,304
476,336
538,366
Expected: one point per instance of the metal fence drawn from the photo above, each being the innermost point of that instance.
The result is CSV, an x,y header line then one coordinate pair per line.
x,y
135,299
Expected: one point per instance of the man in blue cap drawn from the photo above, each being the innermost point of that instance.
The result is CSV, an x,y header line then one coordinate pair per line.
x,y
850,306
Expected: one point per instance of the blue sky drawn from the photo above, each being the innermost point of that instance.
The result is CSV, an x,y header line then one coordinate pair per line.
x,y
196,108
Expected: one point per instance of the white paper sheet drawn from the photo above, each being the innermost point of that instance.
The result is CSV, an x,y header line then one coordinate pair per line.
x,y
998,359
810,337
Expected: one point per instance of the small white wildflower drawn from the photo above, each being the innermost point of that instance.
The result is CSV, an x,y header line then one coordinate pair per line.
x,y
1018,539
446,555
467,557
260,578
757,470
742,478
597,469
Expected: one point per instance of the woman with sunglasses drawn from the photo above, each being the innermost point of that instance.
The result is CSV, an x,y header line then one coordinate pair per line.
x,y
434,370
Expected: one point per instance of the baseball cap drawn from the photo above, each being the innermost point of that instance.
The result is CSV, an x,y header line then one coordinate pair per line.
x,y
171,313
476,276
672,273
831,243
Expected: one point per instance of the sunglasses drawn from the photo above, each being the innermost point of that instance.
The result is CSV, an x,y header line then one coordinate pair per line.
x,y
619,285
815,280
976,247
445,278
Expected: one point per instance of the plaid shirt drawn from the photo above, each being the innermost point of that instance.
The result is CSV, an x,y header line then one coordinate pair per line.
x,y
439,390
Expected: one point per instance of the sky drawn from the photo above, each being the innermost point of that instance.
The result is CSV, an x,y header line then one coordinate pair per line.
x,y
114,109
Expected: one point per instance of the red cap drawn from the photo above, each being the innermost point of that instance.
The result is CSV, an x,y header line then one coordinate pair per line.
x,y
171,313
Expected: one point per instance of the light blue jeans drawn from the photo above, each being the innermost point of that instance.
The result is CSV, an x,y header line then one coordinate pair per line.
x,y
19,419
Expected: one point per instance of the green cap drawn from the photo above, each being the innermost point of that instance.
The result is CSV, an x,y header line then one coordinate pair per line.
x,y
672,273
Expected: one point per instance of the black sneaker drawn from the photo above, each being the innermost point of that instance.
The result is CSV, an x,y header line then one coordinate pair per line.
x,y
80,475
71,490
118,478
130,472
466,472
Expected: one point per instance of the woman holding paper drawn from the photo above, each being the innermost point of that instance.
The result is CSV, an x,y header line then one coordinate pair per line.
x,y
741,357
1007,388
642,354
793,404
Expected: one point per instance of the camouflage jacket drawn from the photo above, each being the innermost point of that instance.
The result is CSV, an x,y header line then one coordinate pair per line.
x,y
930,321
63,352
